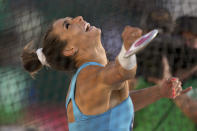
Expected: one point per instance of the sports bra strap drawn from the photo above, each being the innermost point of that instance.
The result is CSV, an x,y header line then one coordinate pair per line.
x,y
73,81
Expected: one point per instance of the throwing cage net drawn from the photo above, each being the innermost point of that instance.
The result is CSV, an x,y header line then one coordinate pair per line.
x,y
39,104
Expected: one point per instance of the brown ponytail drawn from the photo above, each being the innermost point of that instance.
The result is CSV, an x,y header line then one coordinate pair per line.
x,y
52,49
30,60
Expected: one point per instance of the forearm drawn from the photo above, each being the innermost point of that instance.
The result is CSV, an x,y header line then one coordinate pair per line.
x,y
114,73
143,97
124,68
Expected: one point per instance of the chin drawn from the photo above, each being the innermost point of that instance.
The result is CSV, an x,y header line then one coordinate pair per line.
x,y
96,30
99,30
96,33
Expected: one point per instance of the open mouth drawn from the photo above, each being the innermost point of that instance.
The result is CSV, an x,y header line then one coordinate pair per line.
x,y
87,27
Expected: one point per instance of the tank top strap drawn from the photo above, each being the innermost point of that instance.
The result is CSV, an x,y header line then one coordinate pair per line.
x,y
71,95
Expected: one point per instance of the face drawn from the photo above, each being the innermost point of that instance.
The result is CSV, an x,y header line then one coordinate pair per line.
x,y
76,31
80,35
191,39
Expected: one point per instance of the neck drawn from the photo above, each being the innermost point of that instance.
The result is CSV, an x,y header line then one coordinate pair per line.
x,y
95,53
92,56
83,61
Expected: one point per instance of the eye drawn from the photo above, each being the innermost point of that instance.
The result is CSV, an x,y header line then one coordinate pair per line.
x,y
67,25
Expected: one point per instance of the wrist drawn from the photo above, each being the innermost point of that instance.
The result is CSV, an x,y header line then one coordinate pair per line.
x,y
127,45
160,92
127,63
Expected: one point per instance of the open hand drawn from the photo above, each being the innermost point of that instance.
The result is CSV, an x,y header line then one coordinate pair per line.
x,y
172,88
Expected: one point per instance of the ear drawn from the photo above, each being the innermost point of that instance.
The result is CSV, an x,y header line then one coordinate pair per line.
x,y
70,51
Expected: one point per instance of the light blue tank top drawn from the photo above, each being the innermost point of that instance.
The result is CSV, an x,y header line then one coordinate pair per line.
x,y
118,118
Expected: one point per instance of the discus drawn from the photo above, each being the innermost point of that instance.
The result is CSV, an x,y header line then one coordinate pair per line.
x,y
141,43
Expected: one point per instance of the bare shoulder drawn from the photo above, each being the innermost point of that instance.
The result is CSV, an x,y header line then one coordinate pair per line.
x,y
89,73
110,77
96,96
90,77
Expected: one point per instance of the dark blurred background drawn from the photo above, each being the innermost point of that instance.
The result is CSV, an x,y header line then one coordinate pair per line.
x,y
39,104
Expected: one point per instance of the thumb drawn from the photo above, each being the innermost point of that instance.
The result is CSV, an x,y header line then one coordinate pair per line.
x,y
186,90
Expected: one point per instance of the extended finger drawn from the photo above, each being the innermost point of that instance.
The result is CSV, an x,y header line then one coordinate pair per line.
x,y
186,90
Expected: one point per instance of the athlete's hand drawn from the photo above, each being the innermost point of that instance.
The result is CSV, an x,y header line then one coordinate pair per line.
x,y
172,88
129,35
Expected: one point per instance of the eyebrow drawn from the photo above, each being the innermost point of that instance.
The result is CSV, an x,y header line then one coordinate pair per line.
x,y
66,21
69,18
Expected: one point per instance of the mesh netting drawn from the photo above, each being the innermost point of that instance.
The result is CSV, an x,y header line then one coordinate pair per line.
x,y
39,104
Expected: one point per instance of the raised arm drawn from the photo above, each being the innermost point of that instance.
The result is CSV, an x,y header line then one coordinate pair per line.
x,y
122,68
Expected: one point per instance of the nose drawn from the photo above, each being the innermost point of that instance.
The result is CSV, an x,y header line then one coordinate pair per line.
x,y
78,18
